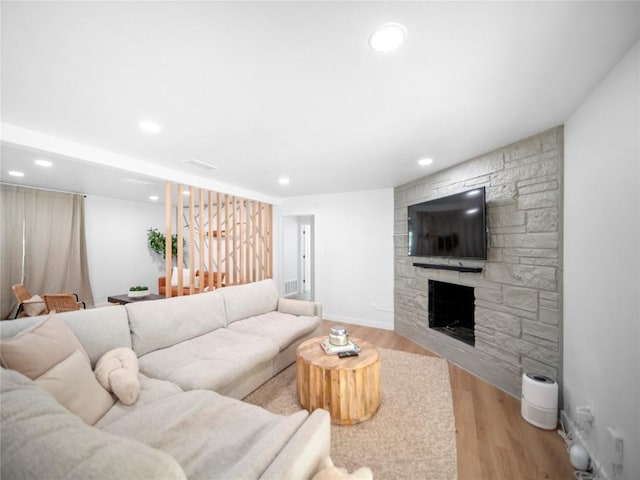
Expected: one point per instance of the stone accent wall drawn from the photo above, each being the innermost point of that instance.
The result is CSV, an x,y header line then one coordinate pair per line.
x,y
519,293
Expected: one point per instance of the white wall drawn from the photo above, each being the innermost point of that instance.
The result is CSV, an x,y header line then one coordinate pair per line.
x,y
602,262
353,238
117,251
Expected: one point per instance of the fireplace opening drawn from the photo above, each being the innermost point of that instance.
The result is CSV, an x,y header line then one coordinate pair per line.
x,y
451,310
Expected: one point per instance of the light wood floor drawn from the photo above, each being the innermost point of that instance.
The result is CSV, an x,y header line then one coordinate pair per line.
x,y
493,440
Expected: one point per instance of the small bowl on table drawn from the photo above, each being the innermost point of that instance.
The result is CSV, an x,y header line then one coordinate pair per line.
x,y
138,293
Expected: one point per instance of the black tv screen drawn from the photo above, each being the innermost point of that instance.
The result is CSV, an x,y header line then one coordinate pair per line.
x,y
453,226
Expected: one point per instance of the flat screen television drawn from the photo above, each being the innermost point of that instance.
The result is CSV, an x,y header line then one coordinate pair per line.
x,y
451,227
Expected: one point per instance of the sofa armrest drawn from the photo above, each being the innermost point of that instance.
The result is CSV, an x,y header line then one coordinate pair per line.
x,y
299,307
301,456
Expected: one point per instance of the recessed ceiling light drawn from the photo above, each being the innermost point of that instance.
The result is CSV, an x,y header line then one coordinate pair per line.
x,y
423,162
387,37
284,181
15,173
149,127
153,197
43,163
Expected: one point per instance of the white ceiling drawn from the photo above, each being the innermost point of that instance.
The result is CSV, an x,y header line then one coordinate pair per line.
x,y
270,89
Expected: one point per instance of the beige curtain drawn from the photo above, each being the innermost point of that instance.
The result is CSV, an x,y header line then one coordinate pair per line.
x,y
43,244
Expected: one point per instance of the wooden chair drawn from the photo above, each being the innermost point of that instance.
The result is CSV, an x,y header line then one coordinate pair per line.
x,y
25,302
63,302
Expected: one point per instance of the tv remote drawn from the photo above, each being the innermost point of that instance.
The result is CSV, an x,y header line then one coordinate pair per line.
x,y
350,353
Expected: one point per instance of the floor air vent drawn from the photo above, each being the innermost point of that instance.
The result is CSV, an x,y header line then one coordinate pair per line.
x,y
290,286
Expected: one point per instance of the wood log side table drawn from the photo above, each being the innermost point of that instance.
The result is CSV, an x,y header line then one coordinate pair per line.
x,y
349,388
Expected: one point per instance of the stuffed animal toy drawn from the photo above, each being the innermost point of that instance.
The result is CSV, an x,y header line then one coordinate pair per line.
x,y
117,372
328,471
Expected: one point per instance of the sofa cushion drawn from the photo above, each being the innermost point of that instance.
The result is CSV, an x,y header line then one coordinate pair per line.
x,y
98,329
41,439
282,328
210,435
73,384
242,301
159,324
211,361
37,349
297,307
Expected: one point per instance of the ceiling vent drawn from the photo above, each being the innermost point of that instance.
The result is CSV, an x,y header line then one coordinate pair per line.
x,y
137,181
201,164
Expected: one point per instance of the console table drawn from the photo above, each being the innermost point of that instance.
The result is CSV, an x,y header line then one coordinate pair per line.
x,y
124,298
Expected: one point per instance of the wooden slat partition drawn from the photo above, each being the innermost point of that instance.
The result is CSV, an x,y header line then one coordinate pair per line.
x,y
227,256
210,236
180,233
218,269
201,205
247,241
168,234
241,226
254,244
192,243
269,260
260,265
227,235
236,238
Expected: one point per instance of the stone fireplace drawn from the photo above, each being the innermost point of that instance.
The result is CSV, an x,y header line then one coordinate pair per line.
x,y
452,310
517,291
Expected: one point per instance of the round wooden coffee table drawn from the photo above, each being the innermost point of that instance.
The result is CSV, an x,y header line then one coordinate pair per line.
x,y
349,388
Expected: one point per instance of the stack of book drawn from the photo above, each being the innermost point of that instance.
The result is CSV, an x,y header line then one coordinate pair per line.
x,y
331,349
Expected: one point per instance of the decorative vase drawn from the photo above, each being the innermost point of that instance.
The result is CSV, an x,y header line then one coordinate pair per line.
x,y
338,336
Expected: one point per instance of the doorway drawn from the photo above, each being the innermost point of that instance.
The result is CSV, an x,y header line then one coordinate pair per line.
x,y
305,260
298,257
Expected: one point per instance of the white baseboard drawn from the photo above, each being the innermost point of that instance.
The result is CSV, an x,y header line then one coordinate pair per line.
x,y
580,437
357,321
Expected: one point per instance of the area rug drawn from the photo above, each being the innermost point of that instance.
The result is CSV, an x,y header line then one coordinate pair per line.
x,y
412,436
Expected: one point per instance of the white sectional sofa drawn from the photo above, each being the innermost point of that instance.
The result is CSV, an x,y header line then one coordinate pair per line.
x,y
198,356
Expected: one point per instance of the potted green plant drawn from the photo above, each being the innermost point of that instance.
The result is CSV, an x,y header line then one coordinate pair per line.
x,y
138,291
157,243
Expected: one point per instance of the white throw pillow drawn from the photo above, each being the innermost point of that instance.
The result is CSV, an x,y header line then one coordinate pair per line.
x,y
34,306
73,384
37,349
186,277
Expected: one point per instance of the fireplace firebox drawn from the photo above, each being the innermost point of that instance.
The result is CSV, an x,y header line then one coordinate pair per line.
x,y
451,310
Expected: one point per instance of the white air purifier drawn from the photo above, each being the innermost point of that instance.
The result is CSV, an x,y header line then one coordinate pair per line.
x,y
539,401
